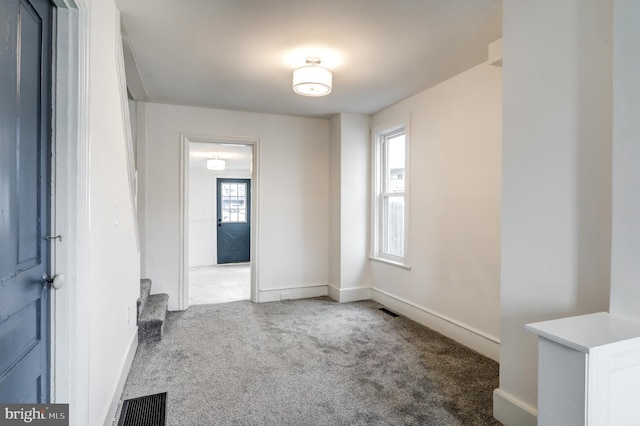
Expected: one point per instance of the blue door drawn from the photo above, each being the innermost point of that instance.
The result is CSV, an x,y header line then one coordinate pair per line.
x,y
234,220
25,128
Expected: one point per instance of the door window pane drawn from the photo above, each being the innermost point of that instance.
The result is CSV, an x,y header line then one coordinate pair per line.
x,y
234,202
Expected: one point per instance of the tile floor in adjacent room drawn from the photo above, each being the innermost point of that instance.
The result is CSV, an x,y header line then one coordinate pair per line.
x,y
219,283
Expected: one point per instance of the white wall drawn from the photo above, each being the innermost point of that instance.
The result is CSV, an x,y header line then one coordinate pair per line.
x,y
625,267
113,268
203,230
454,210
293,206
556,195
349,180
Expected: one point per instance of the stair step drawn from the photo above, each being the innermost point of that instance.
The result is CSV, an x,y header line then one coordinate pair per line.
x,y
145,290
151,322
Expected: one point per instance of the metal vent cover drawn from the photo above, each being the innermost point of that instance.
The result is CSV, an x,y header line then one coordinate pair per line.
x,y
388,312
147,410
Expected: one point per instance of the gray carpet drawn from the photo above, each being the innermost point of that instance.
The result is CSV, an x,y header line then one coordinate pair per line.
x,y
311,362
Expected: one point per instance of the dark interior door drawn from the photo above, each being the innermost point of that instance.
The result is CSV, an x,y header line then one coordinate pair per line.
x,y
234,220
25,82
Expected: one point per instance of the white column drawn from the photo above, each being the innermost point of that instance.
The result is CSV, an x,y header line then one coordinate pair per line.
x,y
556,197
349,207
625,250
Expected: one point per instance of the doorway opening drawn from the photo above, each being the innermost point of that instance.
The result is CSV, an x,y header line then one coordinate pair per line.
x,y
219,220
219,283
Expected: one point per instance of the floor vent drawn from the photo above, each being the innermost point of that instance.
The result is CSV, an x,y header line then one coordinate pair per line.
x,y
147,410
388,312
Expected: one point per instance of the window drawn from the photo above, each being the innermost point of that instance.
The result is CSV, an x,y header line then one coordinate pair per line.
x,y
389,229
234,206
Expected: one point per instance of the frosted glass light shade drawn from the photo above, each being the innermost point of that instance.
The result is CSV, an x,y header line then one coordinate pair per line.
x,y
216,164
312,80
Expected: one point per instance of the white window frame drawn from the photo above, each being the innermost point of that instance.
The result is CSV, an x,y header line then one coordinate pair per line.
x,y
378,196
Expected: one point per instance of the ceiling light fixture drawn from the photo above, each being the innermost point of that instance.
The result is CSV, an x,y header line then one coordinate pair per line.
x,y
216,164
312,79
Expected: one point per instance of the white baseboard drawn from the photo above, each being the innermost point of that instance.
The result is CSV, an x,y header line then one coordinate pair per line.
x,y
124,373
346,295
199,264
286,293
510,411
480,342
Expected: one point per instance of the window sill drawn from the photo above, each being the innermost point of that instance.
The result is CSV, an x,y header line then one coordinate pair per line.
x,y
390,262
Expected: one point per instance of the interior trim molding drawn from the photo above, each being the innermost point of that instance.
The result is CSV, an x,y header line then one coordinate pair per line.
x,y
509,410
126,127
464,334
70,329
135,85
183,236
141,180
127,361
346,295
183,268
293,292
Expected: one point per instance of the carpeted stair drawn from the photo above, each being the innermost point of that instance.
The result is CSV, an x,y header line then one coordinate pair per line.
x,y
152,312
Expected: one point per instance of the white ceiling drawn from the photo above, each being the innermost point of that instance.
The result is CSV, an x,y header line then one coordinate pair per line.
x,y
240,54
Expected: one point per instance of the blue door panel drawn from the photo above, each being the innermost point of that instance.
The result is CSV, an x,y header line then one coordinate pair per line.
x,y
29,127
25,382
234,232
8,132
23,330
25,129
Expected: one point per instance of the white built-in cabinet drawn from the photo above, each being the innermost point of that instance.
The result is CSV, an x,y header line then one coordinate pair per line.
x,y
588,371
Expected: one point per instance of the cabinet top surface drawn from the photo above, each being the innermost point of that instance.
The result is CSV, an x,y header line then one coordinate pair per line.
x,y
586,332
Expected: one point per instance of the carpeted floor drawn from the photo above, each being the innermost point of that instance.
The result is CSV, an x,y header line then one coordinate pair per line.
x,y
311,362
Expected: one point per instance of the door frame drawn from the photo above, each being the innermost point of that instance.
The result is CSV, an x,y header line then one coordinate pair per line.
x,y
70,188
183,274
